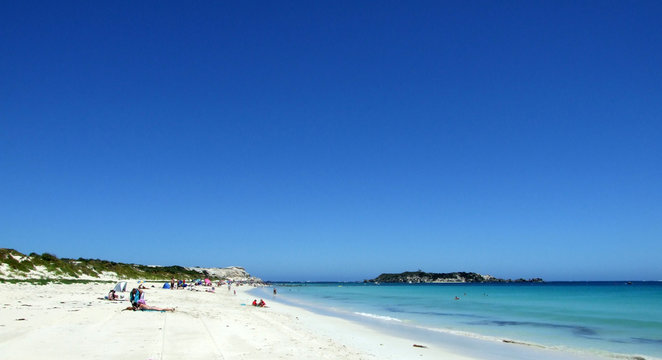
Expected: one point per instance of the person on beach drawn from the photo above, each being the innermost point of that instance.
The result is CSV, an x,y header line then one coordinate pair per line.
x,y
136,296
112,296
172,283
142,306
259,304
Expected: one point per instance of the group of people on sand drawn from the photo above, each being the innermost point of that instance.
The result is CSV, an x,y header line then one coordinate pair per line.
x,y
181,284
259,304
137,299
177,284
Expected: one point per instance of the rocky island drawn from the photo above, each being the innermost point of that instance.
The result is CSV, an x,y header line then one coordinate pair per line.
x,y
421,277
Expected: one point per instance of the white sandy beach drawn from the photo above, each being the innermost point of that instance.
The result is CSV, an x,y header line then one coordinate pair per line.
x,y
71,322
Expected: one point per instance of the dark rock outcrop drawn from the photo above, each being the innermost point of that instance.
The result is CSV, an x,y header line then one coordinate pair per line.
x,y
418,277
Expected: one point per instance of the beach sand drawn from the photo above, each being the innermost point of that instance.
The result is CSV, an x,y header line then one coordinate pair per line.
x,y
72,322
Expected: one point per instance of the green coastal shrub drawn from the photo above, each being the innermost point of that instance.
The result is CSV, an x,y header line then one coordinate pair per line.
x,y
22,266
48,257
7,257
5,253
94,267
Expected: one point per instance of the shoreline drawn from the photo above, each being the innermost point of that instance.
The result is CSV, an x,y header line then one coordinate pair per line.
x,y
73,321
473,345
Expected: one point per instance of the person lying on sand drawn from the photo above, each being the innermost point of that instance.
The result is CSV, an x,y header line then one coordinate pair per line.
x,y
112,296
138,302
142,306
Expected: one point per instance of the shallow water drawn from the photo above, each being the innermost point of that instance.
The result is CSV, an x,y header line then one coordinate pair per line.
x,y
606,318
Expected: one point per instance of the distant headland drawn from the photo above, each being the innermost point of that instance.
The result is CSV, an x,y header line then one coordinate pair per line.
x,y
421,277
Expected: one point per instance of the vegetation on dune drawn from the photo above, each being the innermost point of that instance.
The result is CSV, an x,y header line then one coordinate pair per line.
x,y
20,263
8,256
46,281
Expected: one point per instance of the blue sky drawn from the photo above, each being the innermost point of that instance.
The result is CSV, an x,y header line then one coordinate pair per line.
x,y
321,140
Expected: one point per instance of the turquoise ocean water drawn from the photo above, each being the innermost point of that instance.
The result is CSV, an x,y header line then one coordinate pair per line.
x,y
605,318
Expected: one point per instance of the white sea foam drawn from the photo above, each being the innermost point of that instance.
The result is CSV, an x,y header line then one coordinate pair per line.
x,y
560,348
379,317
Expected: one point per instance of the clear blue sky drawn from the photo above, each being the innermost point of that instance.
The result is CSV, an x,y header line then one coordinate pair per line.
x,y
336,140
